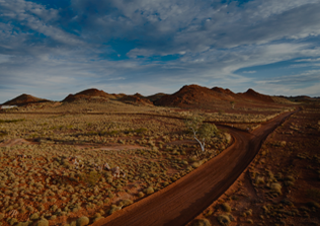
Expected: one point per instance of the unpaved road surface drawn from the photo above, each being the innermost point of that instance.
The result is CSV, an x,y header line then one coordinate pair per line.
x,y
186,198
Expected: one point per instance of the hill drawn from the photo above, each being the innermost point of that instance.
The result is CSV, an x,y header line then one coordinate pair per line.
x,y
136,99
254,96
155,97
25,99
223,91
89,95
193,96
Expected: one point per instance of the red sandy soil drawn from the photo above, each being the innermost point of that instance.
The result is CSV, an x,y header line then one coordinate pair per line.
x,y
183,200
25,99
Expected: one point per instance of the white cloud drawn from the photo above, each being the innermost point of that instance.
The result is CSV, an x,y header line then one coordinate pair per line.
x,y
4,58
308,60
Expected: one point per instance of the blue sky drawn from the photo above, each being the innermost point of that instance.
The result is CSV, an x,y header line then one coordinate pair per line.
x,y
52,48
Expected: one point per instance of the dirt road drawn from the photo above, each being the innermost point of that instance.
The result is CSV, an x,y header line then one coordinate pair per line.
x,y
183,200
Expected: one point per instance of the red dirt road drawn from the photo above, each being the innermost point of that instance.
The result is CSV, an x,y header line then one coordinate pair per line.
x,y
186,198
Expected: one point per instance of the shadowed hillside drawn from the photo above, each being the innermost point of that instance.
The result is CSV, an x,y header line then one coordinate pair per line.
x,y
252,95
89,95
25,99
136,99
193,95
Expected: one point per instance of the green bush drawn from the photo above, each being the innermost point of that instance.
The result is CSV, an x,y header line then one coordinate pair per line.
x,y
248,212
313,204
149,190
11,121
82,221
114,209
224,219
276,188
140,194
12,221
196,164
226,207
90,178
53,217
27,223
42,222
250,221
125,202
34,216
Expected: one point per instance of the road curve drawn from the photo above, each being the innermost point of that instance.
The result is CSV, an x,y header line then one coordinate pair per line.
x,y
186,198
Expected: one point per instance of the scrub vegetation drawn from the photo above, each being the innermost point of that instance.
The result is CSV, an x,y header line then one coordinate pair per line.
x,y
66,163
59,167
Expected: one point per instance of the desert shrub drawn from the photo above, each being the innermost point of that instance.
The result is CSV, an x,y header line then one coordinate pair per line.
x,y
90,178
313,204
3,133
259,180
248,212
249,221
201,222
42,222
141,130
11,121
30,208
114,209
53,217
208,213
224,219
276,188
54,208
12,221
140,194
27,223
125,202
82,221
283,143
226,207
34,216
196,164
149,190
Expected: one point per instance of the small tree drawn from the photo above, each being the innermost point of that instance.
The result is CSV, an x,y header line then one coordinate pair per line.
x,y
232,104
201,131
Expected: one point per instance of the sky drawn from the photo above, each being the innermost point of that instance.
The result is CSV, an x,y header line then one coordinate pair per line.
x,y
52,48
